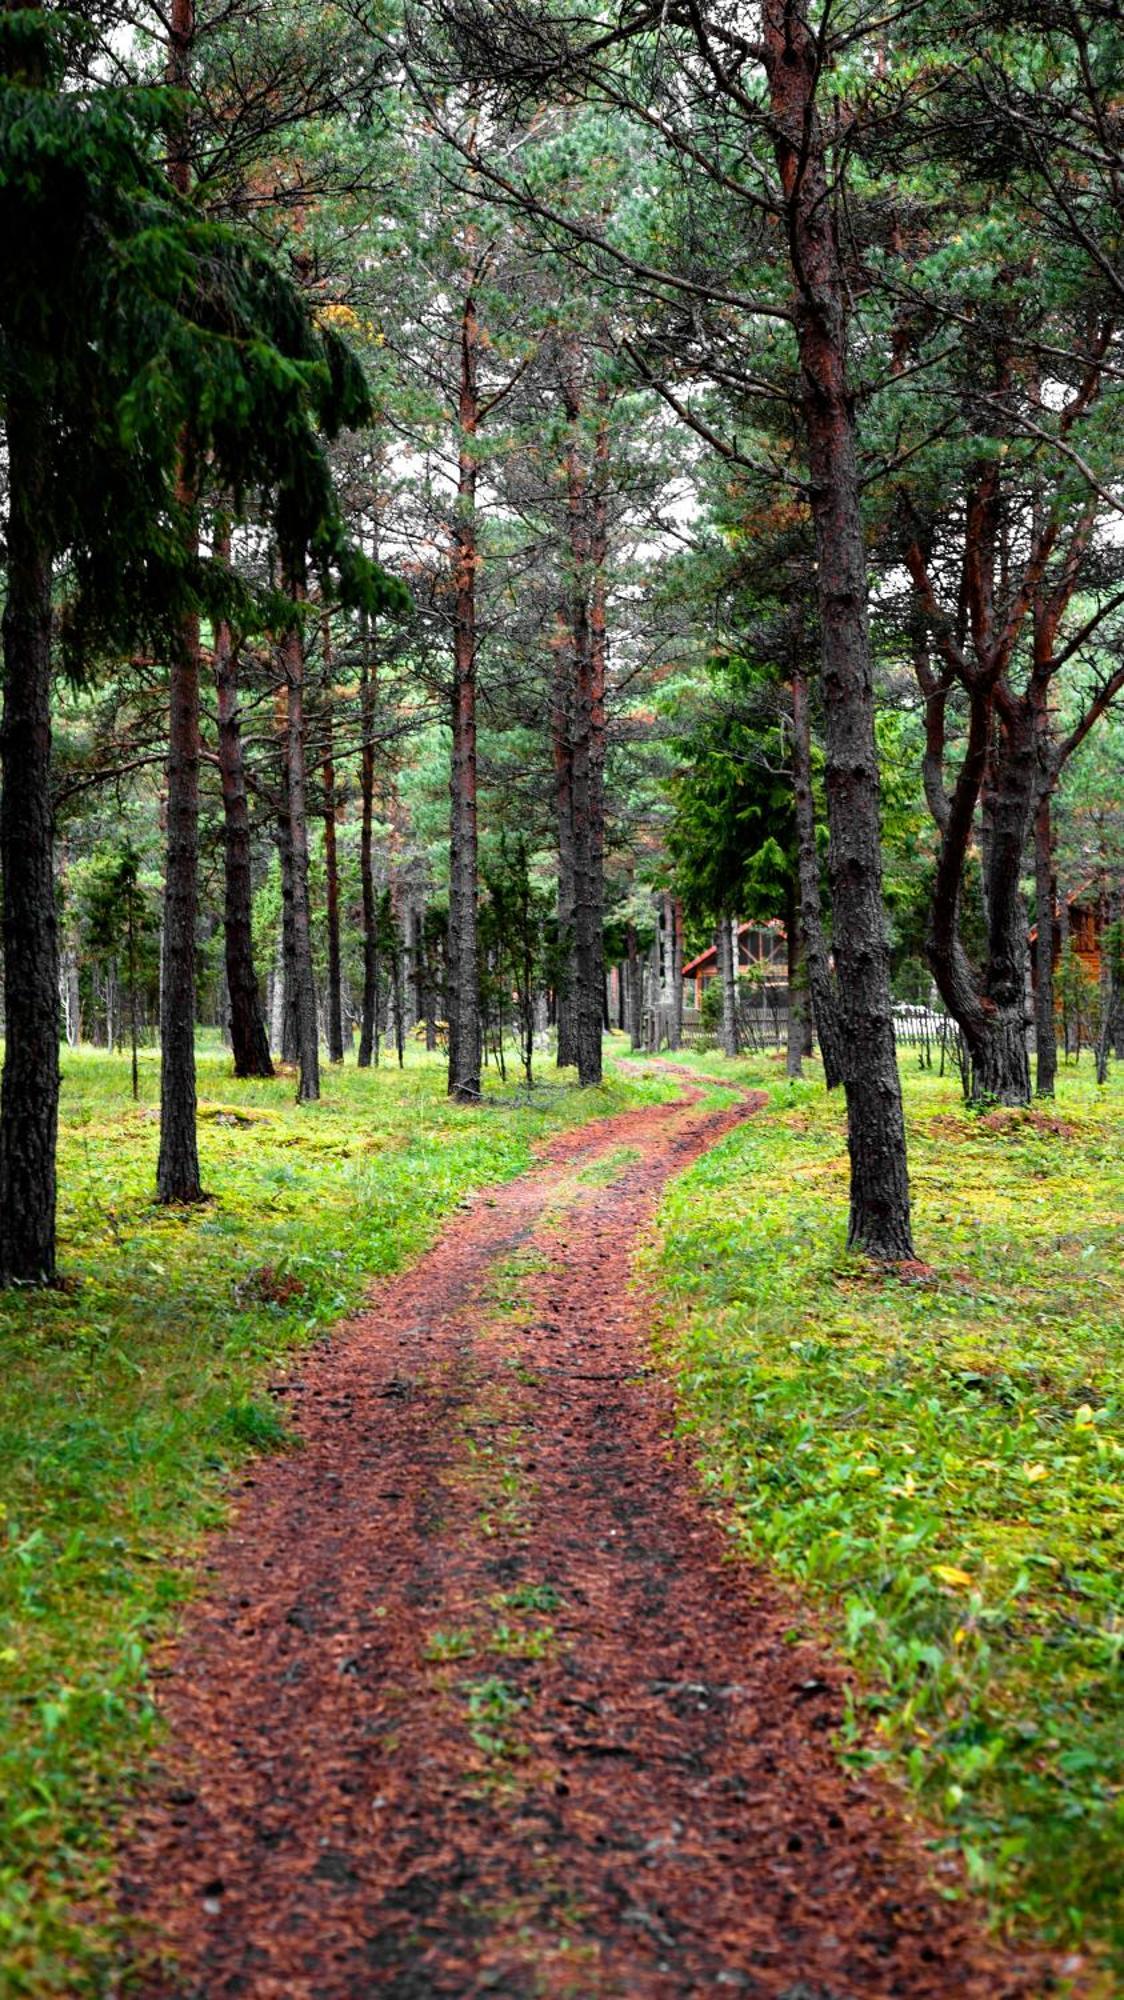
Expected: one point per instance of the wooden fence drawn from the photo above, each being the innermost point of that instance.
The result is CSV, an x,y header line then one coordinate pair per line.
x,y
763,1024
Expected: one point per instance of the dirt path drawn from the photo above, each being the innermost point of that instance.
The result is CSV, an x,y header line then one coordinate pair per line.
x,y
475,1702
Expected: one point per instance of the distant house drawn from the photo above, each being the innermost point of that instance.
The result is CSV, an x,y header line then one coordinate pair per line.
x,y
762,947
1088,918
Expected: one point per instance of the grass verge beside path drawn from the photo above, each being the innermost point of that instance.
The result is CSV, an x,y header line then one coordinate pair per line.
x,y
126,1402
937,1464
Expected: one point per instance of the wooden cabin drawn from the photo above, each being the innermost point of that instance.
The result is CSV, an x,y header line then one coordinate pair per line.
x,y
1088,919
762,947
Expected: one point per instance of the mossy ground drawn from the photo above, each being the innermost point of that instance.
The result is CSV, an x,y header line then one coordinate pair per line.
x,y
936,1464
127,1398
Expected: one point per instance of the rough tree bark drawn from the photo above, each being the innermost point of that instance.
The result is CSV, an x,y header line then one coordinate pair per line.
x,y
585,517
729,1038
561,738
331,866
879,1213
587,912
1000,1065
1045,900
177,1171
391,927
635,990
308,1054
248,1039
1013,760
677,973
816,961
794,1053
369,1032
464,984
290,1033
30,1090
1111,982
598,675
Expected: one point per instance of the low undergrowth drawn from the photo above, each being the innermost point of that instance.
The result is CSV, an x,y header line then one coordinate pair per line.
x,y
937,1463
127,1398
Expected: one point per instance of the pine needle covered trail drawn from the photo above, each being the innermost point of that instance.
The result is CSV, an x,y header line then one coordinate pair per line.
x,y
475,1701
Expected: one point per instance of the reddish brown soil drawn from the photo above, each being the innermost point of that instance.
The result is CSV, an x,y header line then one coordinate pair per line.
x,y
1004,1121
475,1700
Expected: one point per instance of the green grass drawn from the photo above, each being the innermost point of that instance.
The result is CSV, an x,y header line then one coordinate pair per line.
x,y
126,1401
936,1465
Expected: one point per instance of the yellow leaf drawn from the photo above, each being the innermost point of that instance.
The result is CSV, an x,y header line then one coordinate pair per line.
x,y
957,1577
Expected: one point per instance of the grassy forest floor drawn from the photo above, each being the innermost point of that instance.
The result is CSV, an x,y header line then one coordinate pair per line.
x,y
127,1399
936,1464
471,1699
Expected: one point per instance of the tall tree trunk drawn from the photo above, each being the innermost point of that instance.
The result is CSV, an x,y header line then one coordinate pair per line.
x,y
1111,982
73,1000
29,1094
332,879
392,931
418,966
991,1013
635,990
464,979
728,1035
587,913
1116,945
653,1018
292,659
369,1032
794,1063
1064,962
177,1171
1045,897
134,1071
585,515
248,1039
598,675
1000,1064
565,999
562,754
879,1210
412,1003
426,945
277,994
664,934
816,962
290,1026
676,973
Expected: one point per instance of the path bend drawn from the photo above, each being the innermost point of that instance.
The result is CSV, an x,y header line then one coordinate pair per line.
x,y
475,1702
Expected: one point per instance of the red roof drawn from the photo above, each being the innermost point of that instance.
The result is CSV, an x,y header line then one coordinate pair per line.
x,y
710,955
1073,901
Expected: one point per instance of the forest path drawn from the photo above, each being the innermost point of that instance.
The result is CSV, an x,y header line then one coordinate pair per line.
x,y
475,1701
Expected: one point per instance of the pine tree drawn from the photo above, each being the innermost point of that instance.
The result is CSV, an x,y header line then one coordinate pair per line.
x,y
127,324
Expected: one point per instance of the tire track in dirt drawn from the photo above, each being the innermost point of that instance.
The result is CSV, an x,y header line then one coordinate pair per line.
x,y
475,1701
